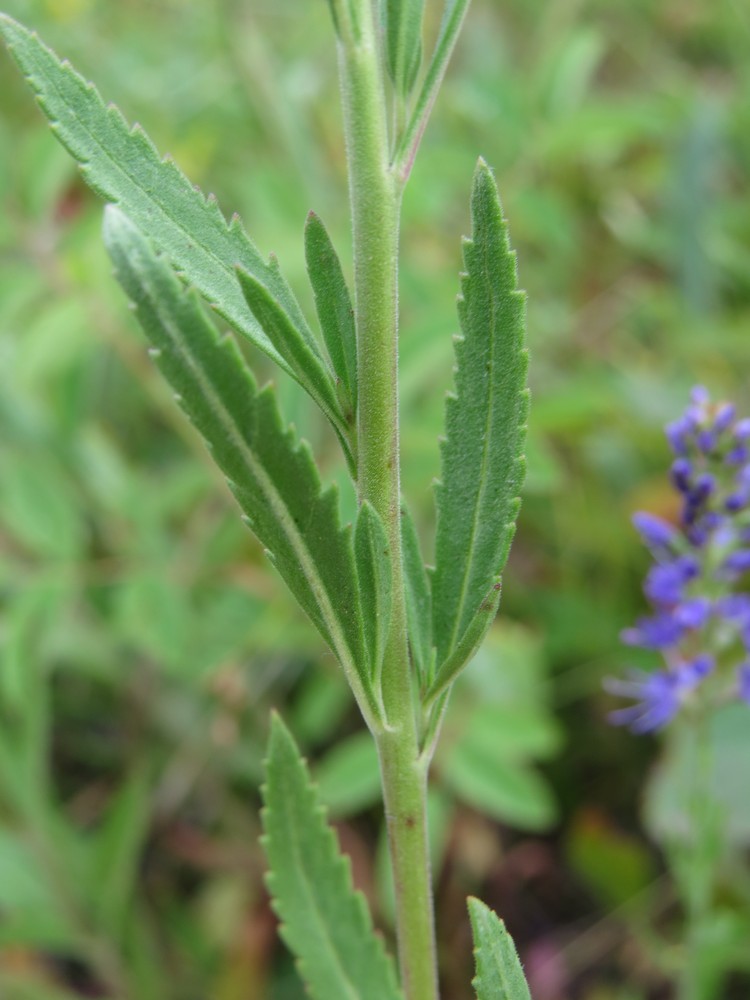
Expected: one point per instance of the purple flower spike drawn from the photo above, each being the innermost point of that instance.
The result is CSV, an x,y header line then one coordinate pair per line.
x,y
692,585
655,532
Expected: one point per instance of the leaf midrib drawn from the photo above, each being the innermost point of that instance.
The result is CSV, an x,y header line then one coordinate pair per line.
x,y
308,883
483,478
225,418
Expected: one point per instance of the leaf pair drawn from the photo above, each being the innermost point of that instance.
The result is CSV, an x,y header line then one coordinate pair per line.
x,y
122,165
326,923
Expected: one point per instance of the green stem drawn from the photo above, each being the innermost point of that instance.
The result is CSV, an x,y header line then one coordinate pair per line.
x,y
375,201
404,789
699,864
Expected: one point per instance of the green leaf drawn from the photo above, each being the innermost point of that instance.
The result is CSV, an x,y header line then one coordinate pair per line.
x,y
324,921
373,557
273,476
499,975
122,165
403,34
450,27
297,347
418,600
348,777
334,307
468,645
482,455
506,790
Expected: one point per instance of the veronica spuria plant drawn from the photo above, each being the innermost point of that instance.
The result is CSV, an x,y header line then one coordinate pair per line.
x,y
400,635
700,626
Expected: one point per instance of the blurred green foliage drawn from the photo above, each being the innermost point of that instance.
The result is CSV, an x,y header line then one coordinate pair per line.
x,y
144,638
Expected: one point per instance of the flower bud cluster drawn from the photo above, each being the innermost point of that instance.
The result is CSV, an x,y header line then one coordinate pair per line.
x,y
701,614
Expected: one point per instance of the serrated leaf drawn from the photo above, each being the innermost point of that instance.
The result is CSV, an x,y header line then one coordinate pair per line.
x,y
272,475
122,165
499,975
468,645
403,34
334,306
297,347
418,600
373,558
325,922
482,455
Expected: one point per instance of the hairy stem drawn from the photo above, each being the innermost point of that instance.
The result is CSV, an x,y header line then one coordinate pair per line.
x,y
375,201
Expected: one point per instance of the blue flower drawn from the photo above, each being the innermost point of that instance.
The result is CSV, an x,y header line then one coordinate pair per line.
x,y
659,696
697,565
666,582
655,532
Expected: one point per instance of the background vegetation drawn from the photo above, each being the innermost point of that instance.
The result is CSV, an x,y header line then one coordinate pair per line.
x,y
143,636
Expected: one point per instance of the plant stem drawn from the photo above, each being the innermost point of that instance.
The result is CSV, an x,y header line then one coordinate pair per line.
x,y
375,201
404,789
699,864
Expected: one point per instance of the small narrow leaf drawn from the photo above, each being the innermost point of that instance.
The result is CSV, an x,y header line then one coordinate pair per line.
x,y
403,21
373,555
123,167
499,975
450,27
334,306
482,455
273,476
298,348
418,600
324,921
